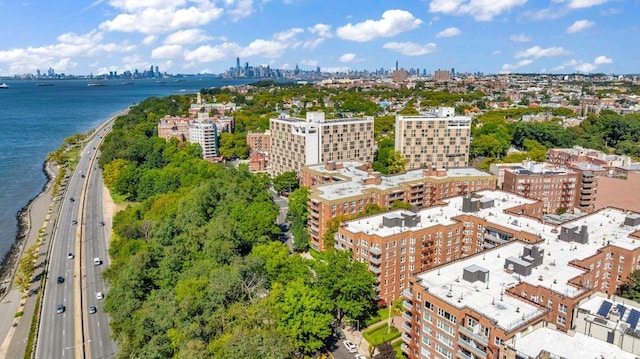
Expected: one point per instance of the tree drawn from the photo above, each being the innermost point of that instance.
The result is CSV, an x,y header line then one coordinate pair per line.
x,y
302,314
397,162
385,351
631,287
298,212
287,181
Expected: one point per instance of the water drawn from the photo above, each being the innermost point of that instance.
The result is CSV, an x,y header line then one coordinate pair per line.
x,y
35,120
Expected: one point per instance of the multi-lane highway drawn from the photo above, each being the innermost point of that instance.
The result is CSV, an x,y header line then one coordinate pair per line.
x,y
73,331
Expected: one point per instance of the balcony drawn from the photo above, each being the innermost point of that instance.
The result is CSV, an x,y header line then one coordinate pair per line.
x,y
471,333
407,316
405,348
463,355
471,346
375,260
407,305
375,269
406,338
406,326
407,294
375,250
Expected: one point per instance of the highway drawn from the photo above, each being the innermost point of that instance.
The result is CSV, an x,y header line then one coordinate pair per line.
x,y
79,237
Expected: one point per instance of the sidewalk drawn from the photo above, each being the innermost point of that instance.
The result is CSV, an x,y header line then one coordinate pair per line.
x,y
14,331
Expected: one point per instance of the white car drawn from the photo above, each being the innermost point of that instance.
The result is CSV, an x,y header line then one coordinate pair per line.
x,y
99,295
360,356
350,346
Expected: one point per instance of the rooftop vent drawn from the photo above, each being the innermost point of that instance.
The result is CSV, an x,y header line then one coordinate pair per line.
x,y
632,220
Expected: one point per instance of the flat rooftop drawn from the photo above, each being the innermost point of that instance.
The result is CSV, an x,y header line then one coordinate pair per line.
x,y
566,346
352,183
605,227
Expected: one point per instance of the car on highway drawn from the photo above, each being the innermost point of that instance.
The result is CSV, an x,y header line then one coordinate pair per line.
x,y
99,295
72,199
60,309
92,309
351,348
101,223
60,279
70,256
74,222
97,261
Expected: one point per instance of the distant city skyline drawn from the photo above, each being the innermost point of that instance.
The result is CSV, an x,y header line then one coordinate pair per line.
x,y
204,36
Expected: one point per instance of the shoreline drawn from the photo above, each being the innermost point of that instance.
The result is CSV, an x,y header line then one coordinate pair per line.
x,y
8,266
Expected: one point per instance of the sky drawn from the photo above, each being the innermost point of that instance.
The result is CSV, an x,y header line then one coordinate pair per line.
x,y
81,37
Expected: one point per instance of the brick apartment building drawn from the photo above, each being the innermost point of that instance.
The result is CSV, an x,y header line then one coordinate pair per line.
x,y
348,188
478,305
399,244
296,142
259,142
174,127
434,140
554,186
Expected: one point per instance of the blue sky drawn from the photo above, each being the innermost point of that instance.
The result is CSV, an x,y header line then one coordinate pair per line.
x,y
194,36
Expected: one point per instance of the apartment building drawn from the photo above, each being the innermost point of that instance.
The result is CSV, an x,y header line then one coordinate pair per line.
x,y
347,188
174,127
436,139
296,142
482,305
398,244
554,186
442,75
204,132
259,142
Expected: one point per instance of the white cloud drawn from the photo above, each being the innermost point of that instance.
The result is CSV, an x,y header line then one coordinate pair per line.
x,y
348,57
266,48
537,52
496,52
207,53
322,30
309,63
610,11
312,44
159,16
549,13
581,4
393,22
481,10
511,67
287,35
167,52
242,9
601,60
149,40
519,38
586,67
411,48
189,36
449,32
579,25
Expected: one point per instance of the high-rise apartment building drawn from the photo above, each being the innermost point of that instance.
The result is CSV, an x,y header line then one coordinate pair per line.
x,y
296,142
436,139
441,75
479,306
348,188
204,132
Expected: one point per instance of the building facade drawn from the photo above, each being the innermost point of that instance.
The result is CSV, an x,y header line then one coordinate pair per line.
x,y
554,186
297,142
259,142
434,140
478,306
205,133
346,189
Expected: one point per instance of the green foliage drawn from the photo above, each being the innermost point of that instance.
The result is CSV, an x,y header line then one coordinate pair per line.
x,y
297,215
631,287
285,182
385,351
409,111
384,126
396,162
381,334
233,145
382,155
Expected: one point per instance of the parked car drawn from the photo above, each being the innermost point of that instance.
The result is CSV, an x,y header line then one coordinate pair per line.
x,y
60,309
360,356
351,348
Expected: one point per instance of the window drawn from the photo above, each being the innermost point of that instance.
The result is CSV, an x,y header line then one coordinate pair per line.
x,y
562,308
428,305
561,320
427,317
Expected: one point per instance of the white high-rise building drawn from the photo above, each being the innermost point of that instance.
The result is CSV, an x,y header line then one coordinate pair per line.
x,y
204,132
296,142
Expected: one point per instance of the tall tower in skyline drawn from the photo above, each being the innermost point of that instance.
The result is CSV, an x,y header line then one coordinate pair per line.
x,y
396,65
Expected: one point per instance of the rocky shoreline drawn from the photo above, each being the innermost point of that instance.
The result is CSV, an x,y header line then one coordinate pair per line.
x,y
8,266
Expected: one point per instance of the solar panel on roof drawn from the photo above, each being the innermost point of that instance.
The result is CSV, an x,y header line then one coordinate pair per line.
x,y
633,318
621,310
604,308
